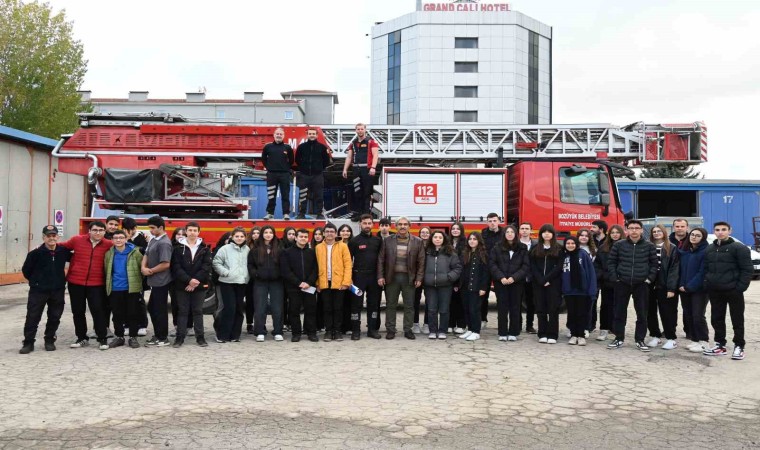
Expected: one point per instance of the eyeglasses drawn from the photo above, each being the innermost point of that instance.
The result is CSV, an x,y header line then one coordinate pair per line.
x,y
329,231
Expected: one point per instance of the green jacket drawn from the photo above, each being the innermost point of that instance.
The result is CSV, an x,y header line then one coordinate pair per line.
x,y
134,276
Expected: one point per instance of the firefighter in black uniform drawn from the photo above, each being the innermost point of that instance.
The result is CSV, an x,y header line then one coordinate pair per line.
x,y
362,153
312,158
278,159
365,248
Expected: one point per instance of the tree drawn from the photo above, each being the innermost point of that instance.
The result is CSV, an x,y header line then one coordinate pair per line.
x,y
671,171
41,69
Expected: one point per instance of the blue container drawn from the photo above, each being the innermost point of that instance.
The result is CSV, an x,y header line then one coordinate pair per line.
x,y
736,207
256,190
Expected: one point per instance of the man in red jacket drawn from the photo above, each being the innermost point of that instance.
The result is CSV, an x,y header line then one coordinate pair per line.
x,y
86,279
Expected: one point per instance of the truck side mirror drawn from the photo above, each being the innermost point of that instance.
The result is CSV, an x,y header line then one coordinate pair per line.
x,y
604,198
604,184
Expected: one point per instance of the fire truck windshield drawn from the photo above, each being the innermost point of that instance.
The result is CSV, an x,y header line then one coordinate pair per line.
x,y
580,187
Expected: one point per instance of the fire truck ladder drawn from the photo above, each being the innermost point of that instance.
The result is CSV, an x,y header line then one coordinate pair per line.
x,y
482,143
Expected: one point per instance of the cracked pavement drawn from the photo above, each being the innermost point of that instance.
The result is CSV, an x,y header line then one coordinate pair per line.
x,y
374,394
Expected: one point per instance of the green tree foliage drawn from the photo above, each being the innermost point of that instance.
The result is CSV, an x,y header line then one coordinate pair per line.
x,y
41,69
671,171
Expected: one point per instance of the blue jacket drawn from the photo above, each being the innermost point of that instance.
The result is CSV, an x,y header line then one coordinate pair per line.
x,y
692,269
588,280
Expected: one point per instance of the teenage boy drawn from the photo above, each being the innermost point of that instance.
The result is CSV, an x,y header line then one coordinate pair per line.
x,y
112,224
124,287
384,226
44,268
298,266
155,265
86,278
633,265
334,265
492,235
728,271
530,308
191,269
400,269
365,248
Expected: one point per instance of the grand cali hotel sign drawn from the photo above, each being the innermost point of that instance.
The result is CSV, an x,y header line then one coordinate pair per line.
x,y
462,6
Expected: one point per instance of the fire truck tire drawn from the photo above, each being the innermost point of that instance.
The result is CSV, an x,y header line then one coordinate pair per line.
x,y
210,302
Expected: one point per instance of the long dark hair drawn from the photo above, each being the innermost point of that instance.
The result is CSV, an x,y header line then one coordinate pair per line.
x,y
507,245
285,242
249,238
446,247
575,265
261,246
314,233
456,242
608,241
341,228
223,240
554,249
591,241
688,247
479,252
176,232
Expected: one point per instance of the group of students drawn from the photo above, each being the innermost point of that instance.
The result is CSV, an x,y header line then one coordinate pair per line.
x,y
329,275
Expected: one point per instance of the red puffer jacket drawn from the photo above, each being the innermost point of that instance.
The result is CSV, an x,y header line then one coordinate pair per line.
x,y
87,264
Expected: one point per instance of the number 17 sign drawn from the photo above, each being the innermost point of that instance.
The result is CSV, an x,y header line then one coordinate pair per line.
x,y
426,194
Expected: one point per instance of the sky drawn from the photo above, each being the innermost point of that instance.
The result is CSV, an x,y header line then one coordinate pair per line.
x,y
614,62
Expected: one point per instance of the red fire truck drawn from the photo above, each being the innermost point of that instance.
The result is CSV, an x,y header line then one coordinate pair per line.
x,y
561,174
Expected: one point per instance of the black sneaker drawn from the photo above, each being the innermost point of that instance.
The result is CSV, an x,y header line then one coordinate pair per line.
x,y
390,335
301,217
249,328
295,338
201,341
338,336
530,330
617,343
152,342
49,346
313,338
163,343
373,334
178,342
328,336
117,342
642,346
355,336
26,349
134,343
409,335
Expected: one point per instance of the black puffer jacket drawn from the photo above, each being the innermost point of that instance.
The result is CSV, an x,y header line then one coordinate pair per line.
x,y
632,263
299,265
601,265
667,276
441,269
545,269
728,266
501,265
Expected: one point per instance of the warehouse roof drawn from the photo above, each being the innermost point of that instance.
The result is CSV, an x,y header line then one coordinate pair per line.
x,y
24,137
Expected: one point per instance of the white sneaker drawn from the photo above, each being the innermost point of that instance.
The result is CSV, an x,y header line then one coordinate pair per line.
x,y
483,325
416,328
542,340
573,341
569,334
502,338
286,217
450,330
602,335
581,341
654,342
551,341
268,217
442,336
260,338
126,331
278,337
432,336
512,338
425,329
699,347
473,337
585,334
80,343
670,344
103,346
458,330
465,335
142,332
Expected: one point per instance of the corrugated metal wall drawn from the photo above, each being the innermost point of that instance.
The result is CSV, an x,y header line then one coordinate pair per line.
x,y
30,190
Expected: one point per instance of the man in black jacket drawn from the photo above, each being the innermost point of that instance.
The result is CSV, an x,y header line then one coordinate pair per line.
x,y
633,265
365,248
191,268
728,271
492,235
277,158
298,265
44,268
312,158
